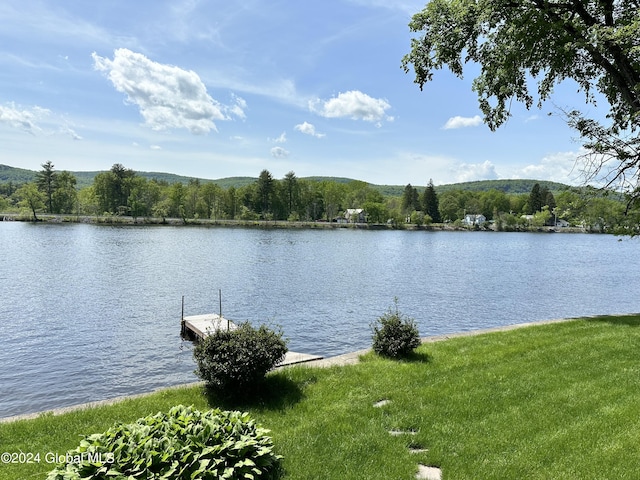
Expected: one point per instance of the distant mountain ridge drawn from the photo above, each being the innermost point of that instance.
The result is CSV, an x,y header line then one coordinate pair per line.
x,y
85,179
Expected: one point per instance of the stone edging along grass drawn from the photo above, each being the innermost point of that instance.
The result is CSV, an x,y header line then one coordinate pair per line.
x,y
345,359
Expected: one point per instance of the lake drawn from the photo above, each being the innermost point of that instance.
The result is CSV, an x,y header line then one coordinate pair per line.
x,y
92,312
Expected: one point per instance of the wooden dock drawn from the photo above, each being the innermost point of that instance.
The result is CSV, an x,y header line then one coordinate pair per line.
x,y
197,327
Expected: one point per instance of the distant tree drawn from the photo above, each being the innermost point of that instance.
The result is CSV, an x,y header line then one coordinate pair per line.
x,y
191,198
493,202
410,200
161,209
292,193
210,200
144,194
451,205
264,191
65,195
231,203
430,203
88,202
535,200
4,203
177,201
419,218
45,180
541,217
112,188
30,197
550,200
333,195
376,212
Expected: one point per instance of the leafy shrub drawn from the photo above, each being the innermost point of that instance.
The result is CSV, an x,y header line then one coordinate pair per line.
x,y
182,444
395,335
237,360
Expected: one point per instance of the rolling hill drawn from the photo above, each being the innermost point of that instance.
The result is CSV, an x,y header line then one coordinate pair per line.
x,y
19,176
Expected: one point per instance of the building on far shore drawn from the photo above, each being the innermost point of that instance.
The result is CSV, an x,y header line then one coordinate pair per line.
x,y
474,219
355,215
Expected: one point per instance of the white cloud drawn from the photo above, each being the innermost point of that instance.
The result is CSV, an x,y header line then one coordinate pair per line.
x,y
308,129
24,119
167,96
155,147
279,152
469,172
557,167
462,122
354,105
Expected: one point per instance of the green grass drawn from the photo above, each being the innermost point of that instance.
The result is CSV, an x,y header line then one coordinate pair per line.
x,y
555,401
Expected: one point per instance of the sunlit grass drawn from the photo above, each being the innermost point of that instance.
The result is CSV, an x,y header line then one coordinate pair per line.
x,y
555,401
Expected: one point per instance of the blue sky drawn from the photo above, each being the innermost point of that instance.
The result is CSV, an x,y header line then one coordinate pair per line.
x,y
214,89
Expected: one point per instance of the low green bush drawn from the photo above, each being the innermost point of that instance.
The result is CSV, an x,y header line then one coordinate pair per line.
x,y
235,361
183,444
394,334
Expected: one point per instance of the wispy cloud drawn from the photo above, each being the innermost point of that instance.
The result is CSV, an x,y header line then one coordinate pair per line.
x,y
70,132
354,105
25,119
406,6
36,121
54,25
308,129
281,139
167,96
462,122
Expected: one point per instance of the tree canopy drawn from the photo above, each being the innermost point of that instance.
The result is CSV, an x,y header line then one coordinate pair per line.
x,y
595,43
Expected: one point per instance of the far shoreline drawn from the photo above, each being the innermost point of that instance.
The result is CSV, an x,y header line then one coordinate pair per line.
x,y
117,220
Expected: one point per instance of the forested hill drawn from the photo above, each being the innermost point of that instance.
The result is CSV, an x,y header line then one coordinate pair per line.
x,y
506,186
19,176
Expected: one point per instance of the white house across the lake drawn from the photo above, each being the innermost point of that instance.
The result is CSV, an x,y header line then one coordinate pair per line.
x,y
474,219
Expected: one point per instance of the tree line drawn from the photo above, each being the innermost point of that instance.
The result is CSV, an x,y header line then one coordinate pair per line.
x,y
120,191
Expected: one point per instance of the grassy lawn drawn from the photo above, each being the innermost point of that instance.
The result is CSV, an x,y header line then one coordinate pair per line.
x,y
555,401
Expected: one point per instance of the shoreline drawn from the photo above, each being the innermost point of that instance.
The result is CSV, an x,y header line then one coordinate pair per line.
x,y
350,358
117,221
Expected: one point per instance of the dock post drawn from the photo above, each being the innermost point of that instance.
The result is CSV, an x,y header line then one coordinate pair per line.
x,y
220,302
182,318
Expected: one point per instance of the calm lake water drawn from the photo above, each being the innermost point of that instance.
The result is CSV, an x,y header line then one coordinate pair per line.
x,y
93,312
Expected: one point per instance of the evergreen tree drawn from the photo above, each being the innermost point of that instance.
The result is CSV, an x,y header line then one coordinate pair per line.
x,y
292,192
45,179
264,190
550,201
430,203
410,199
112,188
535,200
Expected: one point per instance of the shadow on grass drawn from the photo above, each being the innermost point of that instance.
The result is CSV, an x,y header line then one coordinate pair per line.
x,y
418,357
629,320
276,392
413,357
